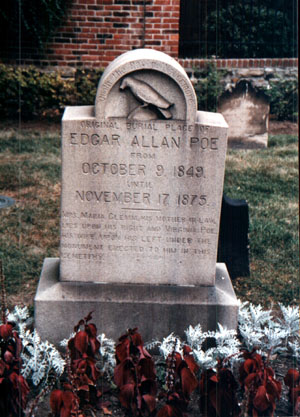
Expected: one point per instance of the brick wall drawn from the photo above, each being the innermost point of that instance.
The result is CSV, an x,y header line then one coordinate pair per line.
x,y
97,31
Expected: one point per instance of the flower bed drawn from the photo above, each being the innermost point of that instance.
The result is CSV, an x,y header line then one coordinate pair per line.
x,y
251,372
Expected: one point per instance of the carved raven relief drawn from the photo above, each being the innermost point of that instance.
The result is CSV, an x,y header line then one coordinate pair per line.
x,y
154,105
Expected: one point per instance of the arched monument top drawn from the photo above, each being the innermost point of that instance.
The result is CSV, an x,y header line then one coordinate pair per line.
x,y
145,82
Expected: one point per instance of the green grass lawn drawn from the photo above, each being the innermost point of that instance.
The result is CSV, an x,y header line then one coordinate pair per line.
x,y
29,173
266,178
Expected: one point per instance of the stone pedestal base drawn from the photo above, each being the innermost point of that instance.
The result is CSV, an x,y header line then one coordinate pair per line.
x,y
157,310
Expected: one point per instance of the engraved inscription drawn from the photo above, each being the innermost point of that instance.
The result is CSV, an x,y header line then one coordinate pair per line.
x,y
142,141
162,233
140,194
113,169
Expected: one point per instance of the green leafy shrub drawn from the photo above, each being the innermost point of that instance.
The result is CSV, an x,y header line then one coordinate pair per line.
x,y
209,87
238,29
251,29
33,93
283,96
86,82
35,19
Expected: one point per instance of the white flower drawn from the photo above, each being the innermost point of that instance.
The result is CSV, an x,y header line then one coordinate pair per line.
x,y
40,358
205,360
169,344
107,352
195,337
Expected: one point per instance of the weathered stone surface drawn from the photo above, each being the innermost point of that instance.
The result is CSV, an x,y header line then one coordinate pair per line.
x,y
247,113
142,183
141,198
161,72
232,76
251,72
155,309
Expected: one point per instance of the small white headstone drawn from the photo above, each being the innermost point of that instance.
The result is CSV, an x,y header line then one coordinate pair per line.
x,y
247,113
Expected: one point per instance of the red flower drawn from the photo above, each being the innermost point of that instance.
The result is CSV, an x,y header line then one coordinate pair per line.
x,y
175,407
13,387
6,331
83,372
63,403
134,374
292,380
185,369
253,363
218,393
258,380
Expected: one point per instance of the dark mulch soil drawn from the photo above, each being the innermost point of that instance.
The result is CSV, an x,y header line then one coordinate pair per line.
x,y
283,128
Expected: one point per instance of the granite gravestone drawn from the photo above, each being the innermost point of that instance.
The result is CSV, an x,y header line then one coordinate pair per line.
x,y
142,182
246,111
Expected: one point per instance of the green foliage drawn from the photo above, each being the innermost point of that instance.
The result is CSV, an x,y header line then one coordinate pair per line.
x,y
208,88
31,93
34,20
238,29
251,30
86,82
283,96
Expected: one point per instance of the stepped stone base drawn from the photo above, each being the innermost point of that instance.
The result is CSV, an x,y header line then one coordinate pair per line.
x,y
157,310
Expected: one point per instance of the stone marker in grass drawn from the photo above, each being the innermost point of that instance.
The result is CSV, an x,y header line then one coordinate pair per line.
x,y
246,111
142,183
